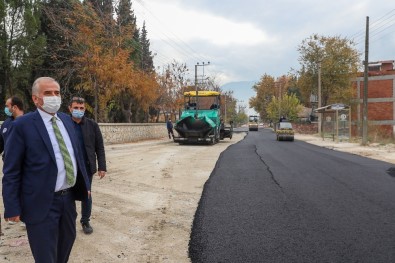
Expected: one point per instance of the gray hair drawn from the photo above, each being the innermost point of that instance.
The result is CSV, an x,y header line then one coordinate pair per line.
x,y
36,84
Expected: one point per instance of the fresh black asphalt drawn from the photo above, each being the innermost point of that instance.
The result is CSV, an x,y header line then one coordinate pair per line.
x,y
269,201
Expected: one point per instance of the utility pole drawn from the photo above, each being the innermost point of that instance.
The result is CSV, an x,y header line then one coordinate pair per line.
x,y
319,100
280,98
365,88
225,108
277,86
196,85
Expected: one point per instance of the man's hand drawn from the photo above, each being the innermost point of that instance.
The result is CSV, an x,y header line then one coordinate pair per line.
x,y
13,219
101,174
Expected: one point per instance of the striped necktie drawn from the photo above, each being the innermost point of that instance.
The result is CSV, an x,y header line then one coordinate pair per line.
x,y
68,164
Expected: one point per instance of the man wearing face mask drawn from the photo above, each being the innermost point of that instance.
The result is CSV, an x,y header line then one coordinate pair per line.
x,y
13,109
90,137
44,174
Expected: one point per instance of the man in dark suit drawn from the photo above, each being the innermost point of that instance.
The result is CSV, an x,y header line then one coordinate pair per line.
x,y
44,174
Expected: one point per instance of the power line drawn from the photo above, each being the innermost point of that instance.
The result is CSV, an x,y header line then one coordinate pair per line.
x,y
186,50
384,21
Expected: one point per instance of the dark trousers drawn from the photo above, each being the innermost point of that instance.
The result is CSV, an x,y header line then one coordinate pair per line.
x,y
86,206
52,239
170,131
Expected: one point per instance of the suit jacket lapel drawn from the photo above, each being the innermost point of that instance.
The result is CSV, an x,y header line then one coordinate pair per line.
x,y
42,130
68,124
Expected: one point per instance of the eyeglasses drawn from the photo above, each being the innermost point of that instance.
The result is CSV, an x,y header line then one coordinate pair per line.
x,y
78,100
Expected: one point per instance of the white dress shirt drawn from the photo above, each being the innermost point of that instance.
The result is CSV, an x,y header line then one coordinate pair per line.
x,y
61,182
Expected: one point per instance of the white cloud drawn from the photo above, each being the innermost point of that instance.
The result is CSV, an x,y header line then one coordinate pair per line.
x,y
192,24
245,39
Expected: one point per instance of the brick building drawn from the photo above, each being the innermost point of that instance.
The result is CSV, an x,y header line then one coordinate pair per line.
x,y
381,100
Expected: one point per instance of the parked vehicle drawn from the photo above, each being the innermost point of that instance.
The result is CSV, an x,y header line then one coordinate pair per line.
x,y
201,120
284,131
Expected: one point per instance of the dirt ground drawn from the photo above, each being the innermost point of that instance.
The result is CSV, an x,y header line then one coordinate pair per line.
x,y
143,209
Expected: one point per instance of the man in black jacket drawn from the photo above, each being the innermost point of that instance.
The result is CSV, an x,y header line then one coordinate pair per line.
x,y
13,109
89,134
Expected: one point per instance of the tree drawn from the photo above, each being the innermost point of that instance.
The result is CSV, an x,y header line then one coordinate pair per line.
x,y
228,106
339,62
101,62
240,117
287,106
102,7
172,83
127,25
59,52
265,90
147,64
21,47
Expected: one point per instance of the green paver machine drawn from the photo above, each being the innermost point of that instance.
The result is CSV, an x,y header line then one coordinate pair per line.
x,y
201,121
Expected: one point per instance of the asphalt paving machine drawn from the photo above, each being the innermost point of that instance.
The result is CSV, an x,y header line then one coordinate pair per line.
x,y
201,120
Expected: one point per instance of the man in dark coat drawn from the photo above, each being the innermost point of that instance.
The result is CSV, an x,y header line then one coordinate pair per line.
x,y
13,109
89,135
169,126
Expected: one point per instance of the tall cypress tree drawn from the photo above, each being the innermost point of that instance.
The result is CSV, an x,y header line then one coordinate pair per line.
x,y
127,19
103,8
147,63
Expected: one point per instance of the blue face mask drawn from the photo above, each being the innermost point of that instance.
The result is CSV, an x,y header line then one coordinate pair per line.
x,y
78,114
7,112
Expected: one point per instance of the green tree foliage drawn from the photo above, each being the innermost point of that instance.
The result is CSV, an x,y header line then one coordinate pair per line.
x,y
339,62
103,8
127,24
147,64
228,105
21,47
288,106
125,15
265,90
240,118
125,106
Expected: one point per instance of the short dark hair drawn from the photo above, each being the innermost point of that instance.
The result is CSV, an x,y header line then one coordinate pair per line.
x,y
78,100
17,101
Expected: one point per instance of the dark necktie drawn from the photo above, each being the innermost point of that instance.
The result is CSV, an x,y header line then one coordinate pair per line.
x,y
68,164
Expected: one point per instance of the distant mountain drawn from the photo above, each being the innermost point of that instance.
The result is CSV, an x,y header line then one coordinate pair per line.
x,y
242,91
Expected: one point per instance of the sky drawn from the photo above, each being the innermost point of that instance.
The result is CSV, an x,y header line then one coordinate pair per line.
x,y
245,39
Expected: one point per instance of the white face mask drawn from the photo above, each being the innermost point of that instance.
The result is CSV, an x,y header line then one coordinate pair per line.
x,y
51,103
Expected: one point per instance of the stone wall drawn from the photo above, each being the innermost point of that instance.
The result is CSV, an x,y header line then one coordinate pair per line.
x,y
131,132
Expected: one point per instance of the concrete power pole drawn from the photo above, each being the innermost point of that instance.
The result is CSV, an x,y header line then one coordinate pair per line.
x,y
319,100
365,88
196,91
196,84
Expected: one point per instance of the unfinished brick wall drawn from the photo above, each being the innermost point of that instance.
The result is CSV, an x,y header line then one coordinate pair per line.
x,y
378,89
381,104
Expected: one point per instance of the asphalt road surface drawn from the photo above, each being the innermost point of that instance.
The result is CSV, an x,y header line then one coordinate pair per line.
x,y
269,201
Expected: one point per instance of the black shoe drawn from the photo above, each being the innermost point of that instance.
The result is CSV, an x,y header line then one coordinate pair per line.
x,y
86,227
